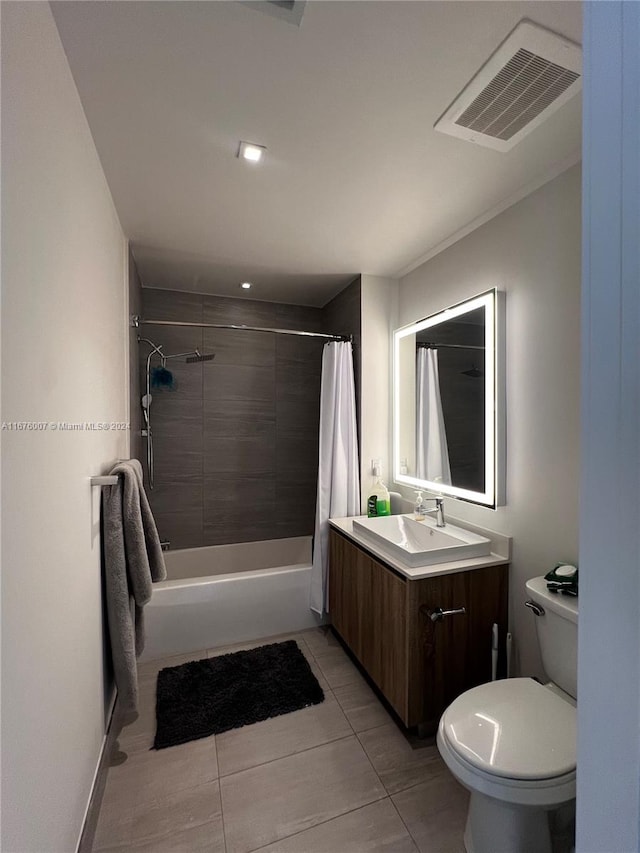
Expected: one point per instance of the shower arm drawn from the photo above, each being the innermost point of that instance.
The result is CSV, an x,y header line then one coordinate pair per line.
x,y
180,355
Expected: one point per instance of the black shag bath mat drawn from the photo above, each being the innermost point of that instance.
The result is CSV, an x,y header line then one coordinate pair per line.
x,y
211,696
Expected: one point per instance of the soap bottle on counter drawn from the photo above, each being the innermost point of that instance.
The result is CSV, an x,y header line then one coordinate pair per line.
x,y
379,501
418,509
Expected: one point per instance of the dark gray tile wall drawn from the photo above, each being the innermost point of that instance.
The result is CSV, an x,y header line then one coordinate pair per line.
x,y
297,402
177,419
135,307
342,316
236,443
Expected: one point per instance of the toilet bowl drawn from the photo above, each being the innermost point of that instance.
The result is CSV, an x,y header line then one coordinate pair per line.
x,y
512,743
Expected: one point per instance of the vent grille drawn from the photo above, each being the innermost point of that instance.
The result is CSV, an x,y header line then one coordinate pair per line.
x,y
290,11
526,86
528,77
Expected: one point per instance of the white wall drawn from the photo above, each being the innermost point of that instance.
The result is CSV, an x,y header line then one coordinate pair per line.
x,y
531,251
63,358
378,303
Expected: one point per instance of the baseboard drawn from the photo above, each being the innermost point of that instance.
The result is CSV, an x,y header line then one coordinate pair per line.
x,y
92,812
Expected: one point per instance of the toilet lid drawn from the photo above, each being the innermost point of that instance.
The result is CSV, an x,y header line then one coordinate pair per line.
x,y
515,728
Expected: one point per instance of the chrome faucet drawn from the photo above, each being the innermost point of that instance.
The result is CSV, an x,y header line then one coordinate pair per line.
x,y
438,511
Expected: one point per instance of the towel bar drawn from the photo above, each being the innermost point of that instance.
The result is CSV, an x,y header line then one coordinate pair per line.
x,y
110,480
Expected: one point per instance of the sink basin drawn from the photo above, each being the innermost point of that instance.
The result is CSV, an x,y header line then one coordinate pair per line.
x,y
421,543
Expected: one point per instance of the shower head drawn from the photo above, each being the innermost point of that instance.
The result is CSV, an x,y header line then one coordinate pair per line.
x,y
197,357
474,372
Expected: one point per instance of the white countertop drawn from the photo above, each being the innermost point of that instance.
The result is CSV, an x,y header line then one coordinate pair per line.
x,y
500,551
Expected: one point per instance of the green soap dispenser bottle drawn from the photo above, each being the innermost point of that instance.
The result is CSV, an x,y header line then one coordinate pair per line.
x,y
379,501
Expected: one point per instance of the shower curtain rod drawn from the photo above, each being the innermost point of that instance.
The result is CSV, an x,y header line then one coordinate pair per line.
x,y
429,345
136,322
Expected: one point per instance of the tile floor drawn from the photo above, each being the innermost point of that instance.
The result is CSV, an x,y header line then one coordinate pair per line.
x,y
338,777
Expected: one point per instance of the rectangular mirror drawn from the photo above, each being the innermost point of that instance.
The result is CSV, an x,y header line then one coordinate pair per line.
x,y
448,401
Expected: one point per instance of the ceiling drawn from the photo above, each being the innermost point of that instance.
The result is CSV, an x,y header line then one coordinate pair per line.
x,y
355,179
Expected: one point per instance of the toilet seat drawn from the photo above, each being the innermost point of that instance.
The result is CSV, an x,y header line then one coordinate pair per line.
x,y
544,793
514,740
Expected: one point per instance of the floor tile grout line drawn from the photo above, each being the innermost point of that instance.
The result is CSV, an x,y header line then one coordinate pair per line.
x,y
166,661
416,785
362,731
224,823
410,834
332,652
155,799
348,684
329,687
344,714
133,841
232,646
289,755
320,823
371,728
220,775
169,658
224,832
319,664
284,757
400,790
378,777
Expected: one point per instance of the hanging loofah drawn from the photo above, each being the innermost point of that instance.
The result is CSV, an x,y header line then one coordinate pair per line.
x,y
161,378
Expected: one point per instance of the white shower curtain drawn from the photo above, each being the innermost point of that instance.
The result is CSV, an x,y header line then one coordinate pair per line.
x,y
432,453
338,479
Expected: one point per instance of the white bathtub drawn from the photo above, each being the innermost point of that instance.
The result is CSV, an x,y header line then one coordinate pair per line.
x,y
224,594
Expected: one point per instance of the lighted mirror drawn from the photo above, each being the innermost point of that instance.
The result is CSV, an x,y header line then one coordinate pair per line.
x,y
448,407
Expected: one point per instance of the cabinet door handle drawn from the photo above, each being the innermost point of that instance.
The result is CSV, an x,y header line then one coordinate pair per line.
x,y
438,614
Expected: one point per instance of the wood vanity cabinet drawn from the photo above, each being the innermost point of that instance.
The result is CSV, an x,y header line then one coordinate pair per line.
x,y
420,666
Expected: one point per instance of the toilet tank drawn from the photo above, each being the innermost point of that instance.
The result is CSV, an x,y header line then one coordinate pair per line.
x,y
557,631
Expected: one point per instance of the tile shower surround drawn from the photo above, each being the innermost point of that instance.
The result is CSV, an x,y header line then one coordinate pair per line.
x,y
236,444
135,307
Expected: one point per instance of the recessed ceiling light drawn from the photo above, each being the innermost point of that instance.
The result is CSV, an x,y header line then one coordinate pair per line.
x,y
251,152
246,285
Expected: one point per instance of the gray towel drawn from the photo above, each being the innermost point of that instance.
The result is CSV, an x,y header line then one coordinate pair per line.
x,y
133,560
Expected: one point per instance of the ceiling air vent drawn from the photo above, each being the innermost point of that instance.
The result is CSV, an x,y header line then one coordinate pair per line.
x,y
287,10
531,75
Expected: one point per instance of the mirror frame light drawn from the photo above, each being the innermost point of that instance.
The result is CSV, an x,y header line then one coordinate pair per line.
x,y
494,492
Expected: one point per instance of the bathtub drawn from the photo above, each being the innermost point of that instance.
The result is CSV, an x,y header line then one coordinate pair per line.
x,y
223,594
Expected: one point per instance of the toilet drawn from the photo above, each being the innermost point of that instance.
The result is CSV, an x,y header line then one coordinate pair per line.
x,y
512,743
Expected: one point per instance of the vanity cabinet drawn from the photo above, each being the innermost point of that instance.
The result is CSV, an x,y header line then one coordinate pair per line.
x,y
384,618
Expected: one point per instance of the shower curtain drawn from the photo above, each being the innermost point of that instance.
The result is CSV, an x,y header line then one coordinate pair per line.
x,y
432,453
338,478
